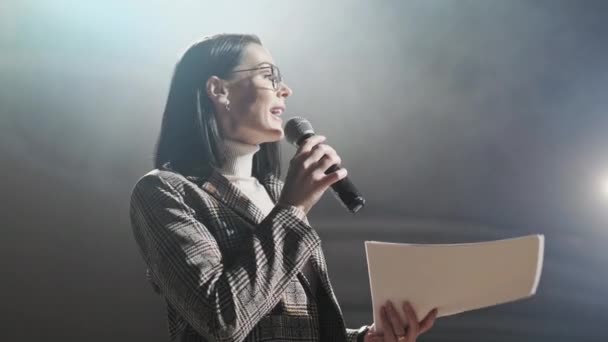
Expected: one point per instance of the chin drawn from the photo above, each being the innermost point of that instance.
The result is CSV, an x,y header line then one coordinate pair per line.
x,y
273,135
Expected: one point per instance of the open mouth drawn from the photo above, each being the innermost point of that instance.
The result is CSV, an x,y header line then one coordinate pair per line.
x,y
277,110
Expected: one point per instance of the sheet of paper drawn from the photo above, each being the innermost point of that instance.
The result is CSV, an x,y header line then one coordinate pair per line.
x,y
453,277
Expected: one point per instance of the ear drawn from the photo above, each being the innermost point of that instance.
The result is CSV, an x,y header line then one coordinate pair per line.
x,y
217,91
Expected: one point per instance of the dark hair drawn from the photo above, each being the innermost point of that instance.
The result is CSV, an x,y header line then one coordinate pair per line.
x,y
189,138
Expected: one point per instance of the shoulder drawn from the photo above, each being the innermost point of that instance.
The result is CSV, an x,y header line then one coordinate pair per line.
x,y
165,180
161,177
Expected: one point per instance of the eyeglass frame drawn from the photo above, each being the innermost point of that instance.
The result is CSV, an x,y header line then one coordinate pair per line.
x,y
276,79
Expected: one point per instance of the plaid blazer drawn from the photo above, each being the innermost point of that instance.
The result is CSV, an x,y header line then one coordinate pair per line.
x,y
226,272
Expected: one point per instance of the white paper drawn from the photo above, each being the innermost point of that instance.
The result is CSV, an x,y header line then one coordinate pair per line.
x,y
453,277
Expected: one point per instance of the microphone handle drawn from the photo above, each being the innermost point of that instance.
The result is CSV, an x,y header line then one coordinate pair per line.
x,y
344,189
346,192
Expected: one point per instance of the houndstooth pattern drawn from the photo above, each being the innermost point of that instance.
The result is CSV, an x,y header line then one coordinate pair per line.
x,y
226,272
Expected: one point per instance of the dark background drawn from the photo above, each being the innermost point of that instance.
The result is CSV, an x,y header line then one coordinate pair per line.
x,y
459,120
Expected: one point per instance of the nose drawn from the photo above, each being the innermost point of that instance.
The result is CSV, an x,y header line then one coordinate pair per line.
x,y
284,90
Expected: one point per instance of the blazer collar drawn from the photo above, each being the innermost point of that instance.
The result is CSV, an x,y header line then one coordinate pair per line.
x,y
219,187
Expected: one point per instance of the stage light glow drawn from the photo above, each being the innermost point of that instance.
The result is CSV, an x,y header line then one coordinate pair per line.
x,y
604,187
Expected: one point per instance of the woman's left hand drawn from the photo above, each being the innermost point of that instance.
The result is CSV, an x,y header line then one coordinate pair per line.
x,y
394,327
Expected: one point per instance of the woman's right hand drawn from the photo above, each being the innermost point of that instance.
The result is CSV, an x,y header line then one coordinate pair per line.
x,y
306,180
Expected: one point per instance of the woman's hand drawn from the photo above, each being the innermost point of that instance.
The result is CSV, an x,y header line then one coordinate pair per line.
x,y
306,180
394,327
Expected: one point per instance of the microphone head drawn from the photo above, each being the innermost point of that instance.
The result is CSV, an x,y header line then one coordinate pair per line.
x,y
296,128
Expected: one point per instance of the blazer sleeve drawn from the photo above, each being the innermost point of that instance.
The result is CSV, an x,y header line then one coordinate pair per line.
x,y
356,335
222,302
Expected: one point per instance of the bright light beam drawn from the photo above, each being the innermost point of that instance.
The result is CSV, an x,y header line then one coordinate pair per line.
x,y
604,187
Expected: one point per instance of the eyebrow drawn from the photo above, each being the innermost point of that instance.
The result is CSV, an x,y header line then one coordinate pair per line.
x,y
265,64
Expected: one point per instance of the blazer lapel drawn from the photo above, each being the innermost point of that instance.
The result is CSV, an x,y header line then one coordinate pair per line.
x,y
318,263
273,186
219,187
317,260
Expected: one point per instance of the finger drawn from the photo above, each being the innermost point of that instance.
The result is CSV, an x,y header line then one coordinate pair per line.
x,y
328,161
331,178
428,321
307,156
412,321
327,148
396,321
375,337
310,143
331,154
387,328
318,153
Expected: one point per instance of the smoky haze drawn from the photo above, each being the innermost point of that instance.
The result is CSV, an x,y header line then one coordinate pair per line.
x,y
458,120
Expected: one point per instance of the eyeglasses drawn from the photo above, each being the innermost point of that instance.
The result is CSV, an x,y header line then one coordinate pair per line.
x,y
275,74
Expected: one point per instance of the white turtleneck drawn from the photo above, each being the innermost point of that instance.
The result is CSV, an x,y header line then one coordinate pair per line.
x,y
238,169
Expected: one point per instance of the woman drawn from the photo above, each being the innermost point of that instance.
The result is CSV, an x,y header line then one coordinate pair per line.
x,y
226,244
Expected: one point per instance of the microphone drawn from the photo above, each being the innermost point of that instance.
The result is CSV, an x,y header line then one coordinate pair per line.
x,y
297,130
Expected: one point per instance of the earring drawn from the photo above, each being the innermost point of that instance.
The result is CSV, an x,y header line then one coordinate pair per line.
x,y
228,105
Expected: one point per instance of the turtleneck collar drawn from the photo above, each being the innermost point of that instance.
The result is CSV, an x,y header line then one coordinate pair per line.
x,y
239,158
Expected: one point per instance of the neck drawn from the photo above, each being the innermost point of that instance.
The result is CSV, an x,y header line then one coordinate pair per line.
x,y
238,158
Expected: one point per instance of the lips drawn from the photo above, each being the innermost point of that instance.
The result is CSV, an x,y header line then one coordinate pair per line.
x,y
278,110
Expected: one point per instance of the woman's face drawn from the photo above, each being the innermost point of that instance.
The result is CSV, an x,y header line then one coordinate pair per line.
x,y
256,103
